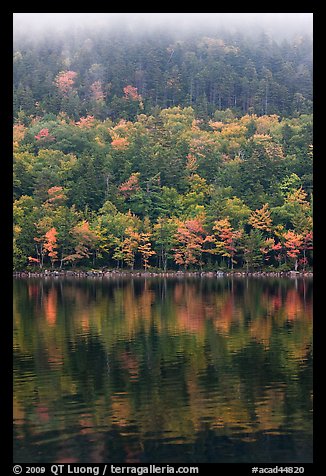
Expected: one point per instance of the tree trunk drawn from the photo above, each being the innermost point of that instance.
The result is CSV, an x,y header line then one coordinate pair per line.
x,y
42,257
165,262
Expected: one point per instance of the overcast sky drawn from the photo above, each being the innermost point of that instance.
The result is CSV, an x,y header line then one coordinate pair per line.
x,y
281,24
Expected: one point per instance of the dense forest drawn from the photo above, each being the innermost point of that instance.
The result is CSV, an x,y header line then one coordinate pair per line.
x,y
159,152
248,75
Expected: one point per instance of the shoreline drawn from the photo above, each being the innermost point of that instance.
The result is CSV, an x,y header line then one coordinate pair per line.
x,y
154,274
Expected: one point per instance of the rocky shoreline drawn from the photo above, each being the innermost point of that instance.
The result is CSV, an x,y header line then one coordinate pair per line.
x,y
150,274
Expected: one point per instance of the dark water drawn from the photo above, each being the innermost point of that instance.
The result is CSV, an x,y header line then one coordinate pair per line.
x,y
202,370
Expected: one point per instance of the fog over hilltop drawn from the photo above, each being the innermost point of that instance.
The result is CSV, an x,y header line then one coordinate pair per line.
x,y
278,25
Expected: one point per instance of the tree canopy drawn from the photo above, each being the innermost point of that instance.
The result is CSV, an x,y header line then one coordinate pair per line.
x,y
162,151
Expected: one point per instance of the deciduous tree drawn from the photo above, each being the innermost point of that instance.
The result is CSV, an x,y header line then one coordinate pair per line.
x,y
65,81
260,219
50,245
85,242
190,238
226,239
165,238
145,248
293,243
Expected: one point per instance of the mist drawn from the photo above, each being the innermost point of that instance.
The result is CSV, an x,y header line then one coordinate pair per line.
x,y
278,25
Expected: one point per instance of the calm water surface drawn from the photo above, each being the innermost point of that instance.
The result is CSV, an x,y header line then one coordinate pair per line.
x,y
162,371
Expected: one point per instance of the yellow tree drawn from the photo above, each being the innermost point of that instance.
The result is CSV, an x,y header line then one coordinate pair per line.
x,y
300,210
86,241
145,248
226,238
129,246
260,219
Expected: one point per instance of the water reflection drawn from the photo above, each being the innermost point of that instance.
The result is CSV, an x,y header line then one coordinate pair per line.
x,y
162,371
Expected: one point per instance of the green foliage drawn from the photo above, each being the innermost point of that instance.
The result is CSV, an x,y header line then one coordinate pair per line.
x,y
108,175
252,244
154,170
219,75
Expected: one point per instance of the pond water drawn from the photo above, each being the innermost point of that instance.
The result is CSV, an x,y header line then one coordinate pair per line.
x,y
162,371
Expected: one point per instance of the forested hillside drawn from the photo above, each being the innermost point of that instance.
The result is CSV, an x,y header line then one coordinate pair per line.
x,y
250,75
166,152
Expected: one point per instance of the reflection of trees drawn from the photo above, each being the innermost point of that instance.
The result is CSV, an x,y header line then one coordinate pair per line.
x,y
142,357
293,305
50,306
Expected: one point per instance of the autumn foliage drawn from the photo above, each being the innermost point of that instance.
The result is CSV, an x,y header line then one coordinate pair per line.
x,y
293,244
131,185
190,239
50,245
85,122
85,241
130,92
164,191
145,248
56,194
120,143
43,135
261,219
65,81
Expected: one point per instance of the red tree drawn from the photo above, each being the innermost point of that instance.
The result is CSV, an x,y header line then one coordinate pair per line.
x,y
50,245
131,93
65,81
44,135
293,243
190,239
120,143
56,195
85,122
131,185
